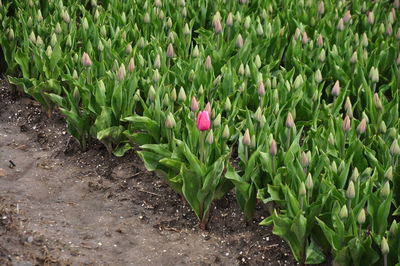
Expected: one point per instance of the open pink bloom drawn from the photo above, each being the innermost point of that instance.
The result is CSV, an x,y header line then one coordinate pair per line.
x,y
203,121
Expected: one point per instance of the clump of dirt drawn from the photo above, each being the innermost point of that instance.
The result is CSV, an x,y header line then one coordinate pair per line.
x,y
66,206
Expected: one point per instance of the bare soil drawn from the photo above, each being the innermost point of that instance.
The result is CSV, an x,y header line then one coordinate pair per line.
x,y
62,206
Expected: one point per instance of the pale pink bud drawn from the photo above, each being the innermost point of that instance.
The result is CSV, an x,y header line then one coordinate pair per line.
x,y
273,149
194,105
321,8
336,89
208,108
377,102
121,72
207,63
340,25
304,38
131,65
389,29
86,62
362,127
217,26
229,20
261,88
239,41
289,121
170,51
347,16
396,3
246,138
243,1
320,41
346,124
371,17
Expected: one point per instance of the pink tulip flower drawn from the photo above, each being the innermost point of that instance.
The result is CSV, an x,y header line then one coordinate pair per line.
x,y
203,121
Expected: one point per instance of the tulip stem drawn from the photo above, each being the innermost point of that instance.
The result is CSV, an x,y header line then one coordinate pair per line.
x,y
349,204
288,139
344,143
385,259
201,146
301,202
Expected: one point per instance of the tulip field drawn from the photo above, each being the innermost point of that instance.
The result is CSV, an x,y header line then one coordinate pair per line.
x,y
292,104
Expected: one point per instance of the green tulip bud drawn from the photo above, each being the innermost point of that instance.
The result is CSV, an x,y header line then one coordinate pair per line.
x,y
247,22
304,160
32,37
39,16
334,167
186,30
146,18
350,192
170,121
385,191
355,174
318,76
85,24
257,61
156,76
182,95
217,121
210,137
152,93
322,56
259,30
49,51
201,90
75,74
309,182
253,141
331,139
395,148
361,217
11,35
173,95
382,127
374,75
53,40
227,105
298,82
226,133
393,229
343,214
58,29
354,58
302,189
384,246
136,97
195,52
389,173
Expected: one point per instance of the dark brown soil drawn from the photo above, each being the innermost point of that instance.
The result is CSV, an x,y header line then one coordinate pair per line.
x,y
62,206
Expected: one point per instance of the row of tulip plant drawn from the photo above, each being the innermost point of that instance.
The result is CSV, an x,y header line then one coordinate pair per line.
x,y
293,104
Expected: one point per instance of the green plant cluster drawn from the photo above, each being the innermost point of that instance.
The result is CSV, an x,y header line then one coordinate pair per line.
x,y
303,98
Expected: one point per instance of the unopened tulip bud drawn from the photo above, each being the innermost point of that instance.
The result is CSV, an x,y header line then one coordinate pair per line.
x,y
320,41
257,61
258,114
170,51
361,217
346,124
261,88
85,24
210,137
128,49
247,22
247,71
217,81
377,102
226,133
389,30
39,16
309,182
302,189
322,56
136,97
273,149
208,108
184,12
229,20
289,121
362,127
217,26
194,105
340,25
182,95
75,74
195,52
173,95
217,121
100,46
343,214
29,23
156,76
384,246
146,18
152,93
157,62
304,160
207,63
86,62
11,35
227,105
394,148
253,141
374,75
398,34
321,8
298,82
58,29
65,16
166,100
396,3
334,167
385,191
331,139
336,89
393,229
246,140
32,37
364,40
121,72
168,122
239,41
347,16
259,30
186,30
182,3
304,38
371,17
49,51
297,34
348,107
389,173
